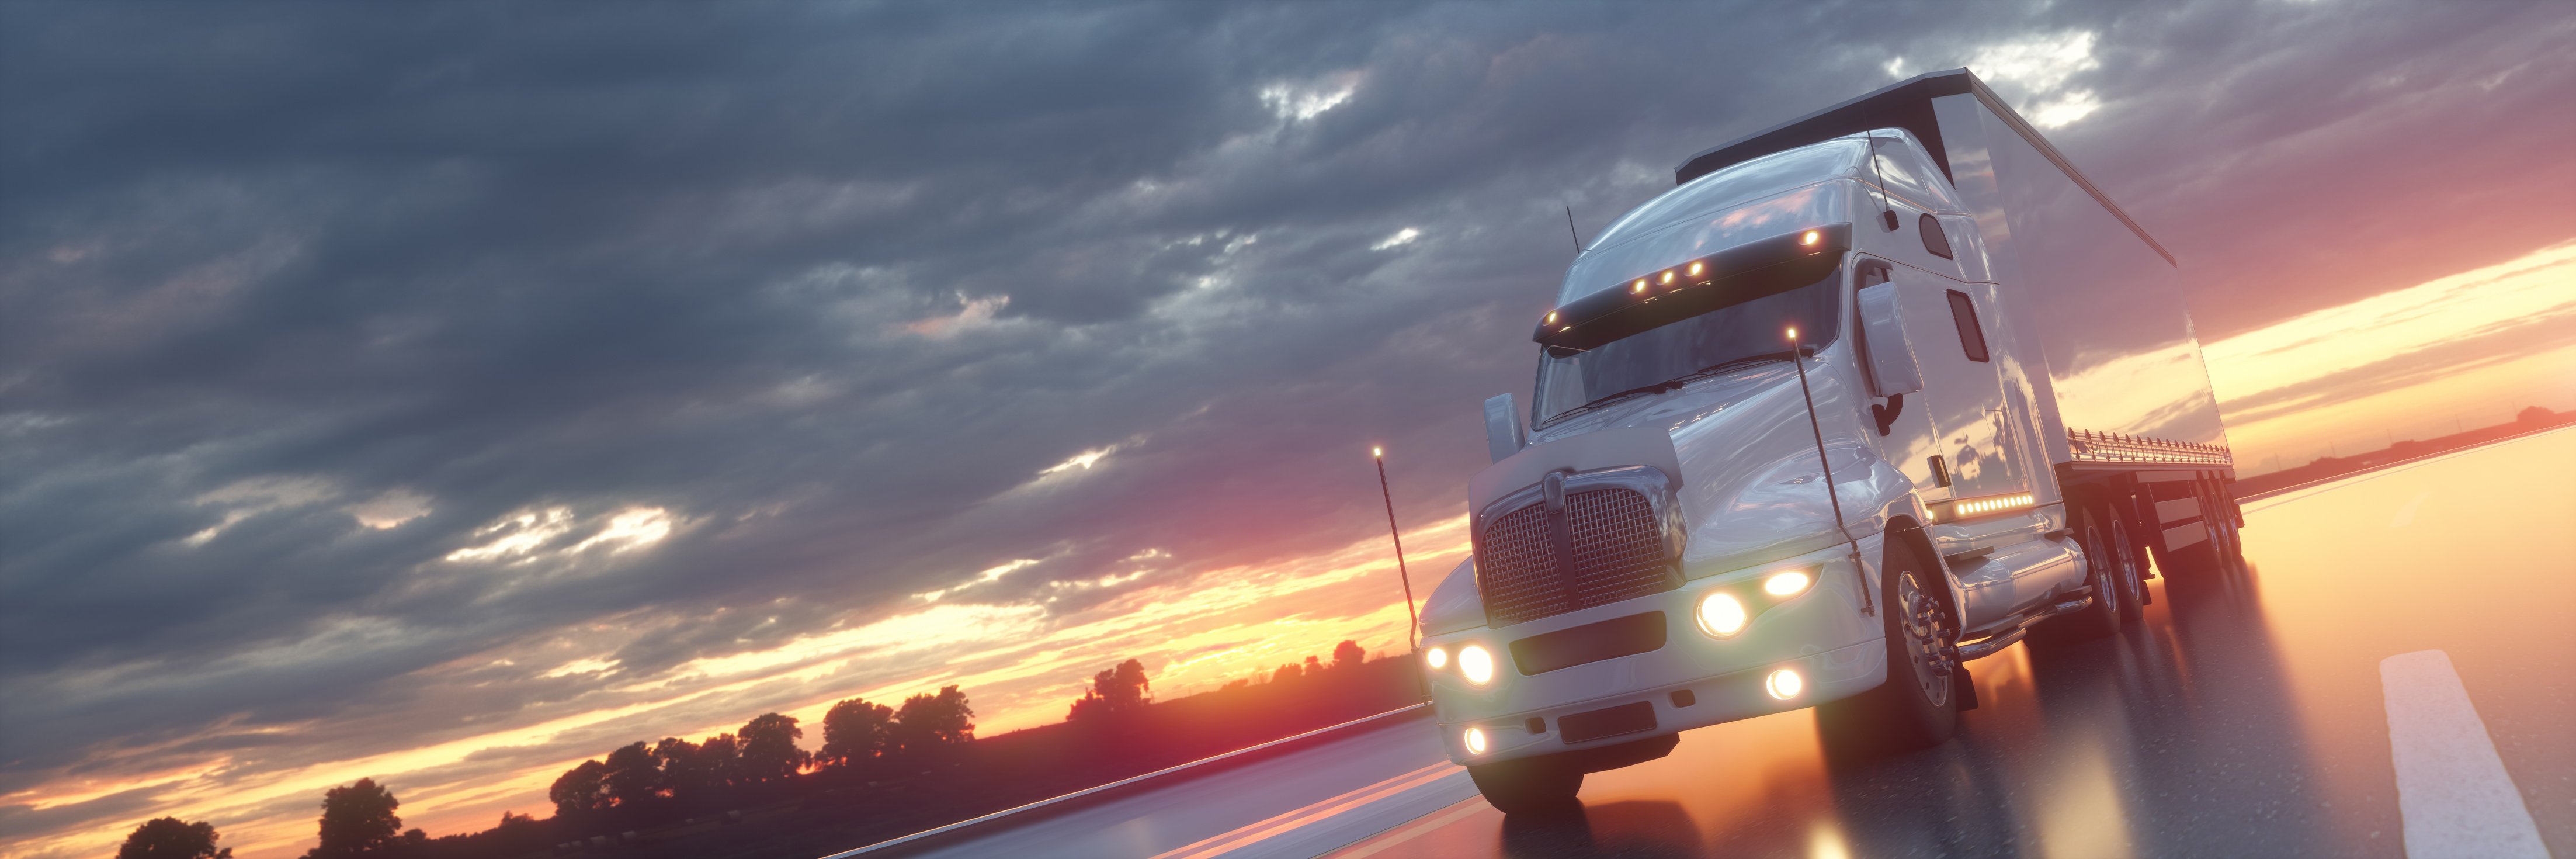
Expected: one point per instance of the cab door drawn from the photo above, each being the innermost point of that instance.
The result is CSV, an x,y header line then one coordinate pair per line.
x,y
1951,324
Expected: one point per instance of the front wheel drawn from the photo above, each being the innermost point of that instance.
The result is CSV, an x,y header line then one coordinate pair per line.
x,y
1918,706
1539,785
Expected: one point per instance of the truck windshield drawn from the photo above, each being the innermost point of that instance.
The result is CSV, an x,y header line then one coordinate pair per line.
x,y
1640,362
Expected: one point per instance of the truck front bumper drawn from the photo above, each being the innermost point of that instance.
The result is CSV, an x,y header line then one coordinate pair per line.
x,y
1694,680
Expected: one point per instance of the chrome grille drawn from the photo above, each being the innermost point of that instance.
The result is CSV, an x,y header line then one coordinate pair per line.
x,y
1618,553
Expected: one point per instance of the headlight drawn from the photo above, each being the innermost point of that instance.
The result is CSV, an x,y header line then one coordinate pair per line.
x,y
1476,664
1721,615
1474,740
1437,658
1787,584
1785,684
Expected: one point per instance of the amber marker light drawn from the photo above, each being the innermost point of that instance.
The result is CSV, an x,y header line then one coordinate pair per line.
x,y
1668,276
1793,335
1639,286
1378,452
1695,268
1551,317
1474,740
1437,658
1811,237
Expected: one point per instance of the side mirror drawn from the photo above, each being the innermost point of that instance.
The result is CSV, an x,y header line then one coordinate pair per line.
x,y
1891,366
1504,434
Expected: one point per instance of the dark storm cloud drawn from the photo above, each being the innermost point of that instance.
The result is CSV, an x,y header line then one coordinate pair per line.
x,y
832,285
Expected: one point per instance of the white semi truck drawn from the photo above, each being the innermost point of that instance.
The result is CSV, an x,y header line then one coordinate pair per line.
x,y
1869,395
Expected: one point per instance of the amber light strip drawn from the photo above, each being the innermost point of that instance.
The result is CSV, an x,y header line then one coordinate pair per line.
x,y
1964,508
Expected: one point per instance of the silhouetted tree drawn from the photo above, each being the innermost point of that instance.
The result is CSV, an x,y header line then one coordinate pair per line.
x,y
1314,667
1114,692
631,778
856,733
721,755
929,726
1348,654
1285,673
769,751
358,820
580,791
686,769
172,838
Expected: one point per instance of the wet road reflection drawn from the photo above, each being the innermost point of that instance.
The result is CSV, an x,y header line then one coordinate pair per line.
x,y
2244,717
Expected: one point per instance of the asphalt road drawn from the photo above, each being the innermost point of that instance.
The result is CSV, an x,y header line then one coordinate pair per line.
x,y
2394,676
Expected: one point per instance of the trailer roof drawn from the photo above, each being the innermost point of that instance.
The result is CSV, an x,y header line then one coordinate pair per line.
x,y
1907,105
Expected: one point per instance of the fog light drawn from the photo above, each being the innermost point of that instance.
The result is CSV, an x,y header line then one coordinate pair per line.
x,y
1721,615
1475,740
1787,584
1476,664
1436,658
1785,684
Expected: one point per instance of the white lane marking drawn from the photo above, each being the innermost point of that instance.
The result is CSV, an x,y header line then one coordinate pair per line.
x,y
1290,821
1455,813
2406,515
2452,791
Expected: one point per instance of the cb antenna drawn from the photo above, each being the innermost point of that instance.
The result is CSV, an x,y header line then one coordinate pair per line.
x,y
1798,354
1413,624
1569,229
1888,211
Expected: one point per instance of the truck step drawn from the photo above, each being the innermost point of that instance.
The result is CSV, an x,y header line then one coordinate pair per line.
x,y
2011,631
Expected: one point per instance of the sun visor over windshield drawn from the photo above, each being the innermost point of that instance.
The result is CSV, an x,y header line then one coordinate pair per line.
x,y
1737,274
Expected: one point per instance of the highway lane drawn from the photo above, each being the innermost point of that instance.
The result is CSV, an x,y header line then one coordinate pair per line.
x,y
2336,700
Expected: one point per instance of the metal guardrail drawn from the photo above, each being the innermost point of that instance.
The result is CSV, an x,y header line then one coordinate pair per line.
x,y
926,838
2090,446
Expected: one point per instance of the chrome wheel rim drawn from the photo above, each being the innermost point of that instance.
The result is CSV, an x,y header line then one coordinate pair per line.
x,y
2105,590
1927,643
2125,561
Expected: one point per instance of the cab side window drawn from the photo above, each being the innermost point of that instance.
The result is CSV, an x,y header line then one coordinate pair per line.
x,y
1971,338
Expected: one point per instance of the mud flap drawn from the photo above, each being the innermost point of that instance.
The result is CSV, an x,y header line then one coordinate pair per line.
x,y
1966,687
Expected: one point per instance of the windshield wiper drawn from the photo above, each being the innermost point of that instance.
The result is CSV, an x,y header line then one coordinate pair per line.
x,y
1675,382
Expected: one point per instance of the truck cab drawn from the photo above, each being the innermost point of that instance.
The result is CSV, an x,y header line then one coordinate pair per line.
x,y
1796,440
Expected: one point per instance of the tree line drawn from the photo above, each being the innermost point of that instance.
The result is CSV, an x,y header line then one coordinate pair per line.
x,y
641,784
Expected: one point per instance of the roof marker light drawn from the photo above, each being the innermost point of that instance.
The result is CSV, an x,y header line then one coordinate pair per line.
x,y
1695,268
1639,286
1551,317
1811,237
1668,276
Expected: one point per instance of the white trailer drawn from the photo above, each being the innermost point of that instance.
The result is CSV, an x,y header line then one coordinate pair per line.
x,y
1870,394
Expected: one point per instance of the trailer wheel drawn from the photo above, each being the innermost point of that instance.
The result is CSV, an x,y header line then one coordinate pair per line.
x,y
2224,535
1918,706
2107,570
2205,560
1528,786
2132,573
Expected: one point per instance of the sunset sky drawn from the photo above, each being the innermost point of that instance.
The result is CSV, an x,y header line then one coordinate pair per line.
x,y
448,394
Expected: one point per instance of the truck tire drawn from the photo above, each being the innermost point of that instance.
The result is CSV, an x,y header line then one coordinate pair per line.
x,y
2231,549
2107,570
1918,706
2203,561
1528,786
2133,567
